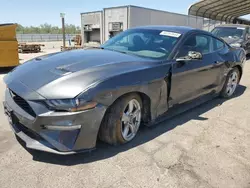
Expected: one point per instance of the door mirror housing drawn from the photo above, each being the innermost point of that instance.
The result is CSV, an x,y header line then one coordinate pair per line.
x,y
192,55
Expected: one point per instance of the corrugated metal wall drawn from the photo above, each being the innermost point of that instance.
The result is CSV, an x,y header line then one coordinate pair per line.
x,y
42,37
119,14
133,16
210,24
94,19
143,16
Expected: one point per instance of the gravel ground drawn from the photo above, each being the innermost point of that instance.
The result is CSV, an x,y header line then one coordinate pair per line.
x,y
205,147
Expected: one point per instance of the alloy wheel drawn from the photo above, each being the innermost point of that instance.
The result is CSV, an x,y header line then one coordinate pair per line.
x,y
232,83
131,120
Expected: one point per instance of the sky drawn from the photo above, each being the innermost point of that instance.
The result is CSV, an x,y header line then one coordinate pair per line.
x,y
34,13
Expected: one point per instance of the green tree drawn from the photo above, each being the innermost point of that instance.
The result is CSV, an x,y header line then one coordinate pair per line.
x,y
19,28
48,29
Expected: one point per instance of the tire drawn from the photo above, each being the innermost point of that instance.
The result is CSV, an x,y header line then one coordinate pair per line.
x,y
118,118
232,81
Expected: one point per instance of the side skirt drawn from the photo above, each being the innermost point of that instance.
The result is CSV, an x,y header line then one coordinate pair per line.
x,y
181,108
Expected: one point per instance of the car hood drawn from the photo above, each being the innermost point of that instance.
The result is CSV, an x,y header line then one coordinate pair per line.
x,y
232,40
66,74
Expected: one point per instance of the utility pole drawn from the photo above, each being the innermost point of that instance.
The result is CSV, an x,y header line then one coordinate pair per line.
x,y
63,28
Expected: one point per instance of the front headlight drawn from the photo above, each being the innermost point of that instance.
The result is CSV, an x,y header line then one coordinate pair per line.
x,y
237,45
70,105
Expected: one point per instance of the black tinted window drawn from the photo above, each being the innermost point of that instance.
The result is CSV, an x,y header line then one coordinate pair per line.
x,y
198,43
154,44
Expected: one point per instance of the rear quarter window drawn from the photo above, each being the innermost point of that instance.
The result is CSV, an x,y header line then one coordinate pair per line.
x,y
218,44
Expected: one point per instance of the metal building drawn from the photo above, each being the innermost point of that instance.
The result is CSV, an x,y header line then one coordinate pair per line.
x,y
92,27
100,26
117,19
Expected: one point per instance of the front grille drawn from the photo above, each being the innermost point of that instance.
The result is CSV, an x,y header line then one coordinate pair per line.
x,y
22,104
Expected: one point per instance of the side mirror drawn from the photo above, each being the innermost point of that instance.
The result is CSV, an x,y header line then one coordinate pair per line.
x,y
194,55
191,56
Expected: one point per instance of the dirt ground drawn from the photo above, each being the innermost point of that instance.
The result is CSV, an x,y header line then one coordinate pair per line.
x,y
205,147
50,47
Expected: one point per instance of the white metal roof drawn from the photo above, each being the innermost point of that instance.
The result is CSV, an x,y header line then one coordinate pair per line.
x,y
224,10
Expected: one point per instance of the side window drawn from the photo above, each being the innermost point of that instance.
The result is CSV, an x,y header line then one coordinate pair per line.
x,y
198,43
203,44
248,33
218,45
248,30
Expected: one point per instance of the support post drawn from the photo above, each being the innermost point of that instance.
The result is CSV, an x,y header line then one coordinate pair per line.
x,y
63,29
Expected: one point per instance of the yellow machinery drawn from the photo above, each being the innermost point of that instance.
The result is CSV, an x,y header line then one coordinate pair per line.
x,y
8,46
77,44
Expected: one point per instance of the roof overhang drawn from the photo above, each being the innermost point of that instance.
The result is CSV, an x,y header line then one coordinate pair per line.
x,y
223,10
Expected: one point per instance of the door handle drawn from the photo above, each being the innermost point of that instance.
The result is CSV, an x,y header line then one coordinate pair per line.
x,y
218,62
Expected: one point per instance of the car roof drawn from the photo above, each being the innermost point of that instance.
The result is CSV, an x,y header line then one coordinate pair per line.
x,y
178,29
233,25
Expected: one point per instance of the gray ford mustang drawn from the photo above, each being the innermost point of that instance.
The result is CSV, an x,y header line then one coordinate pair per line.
x,y
63,102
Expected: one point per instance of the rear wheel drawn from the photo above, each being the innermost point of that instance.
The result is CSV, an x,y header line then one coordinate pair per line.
x,y
122,121
231,83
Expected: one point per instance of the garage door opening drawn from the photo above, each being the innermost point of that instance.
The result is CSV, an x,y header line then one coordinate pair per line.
x,y
92,34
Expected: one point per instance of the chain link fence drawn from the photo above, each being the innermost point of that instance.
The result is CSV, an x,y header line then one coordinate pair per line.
x,y
42,37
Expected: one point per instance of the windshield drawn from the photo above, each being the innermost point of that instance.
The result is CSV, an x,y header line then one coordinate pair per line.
x,y
149,43
229,32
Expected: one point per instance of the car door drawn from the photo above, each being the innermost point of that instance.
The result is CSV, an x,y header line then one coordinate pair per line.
x,y
248,40
193,78
222,55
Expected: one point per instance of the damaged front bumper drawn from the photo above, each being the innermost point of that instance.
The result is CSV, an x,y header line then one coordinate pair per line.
x,y
55,132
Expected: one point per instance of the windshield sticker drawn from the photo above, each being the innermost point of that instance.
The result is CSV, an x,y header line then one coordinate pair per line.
x,y
242,28
170,34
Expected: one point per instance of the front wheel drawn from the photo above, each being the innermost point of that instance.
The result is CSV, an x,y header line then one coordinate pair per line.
x,y
122,121
231,83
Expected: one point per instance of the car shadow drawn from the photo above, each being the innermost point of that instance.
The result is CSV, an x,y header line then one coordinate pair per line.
x,y
6,70
248,57
146,134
